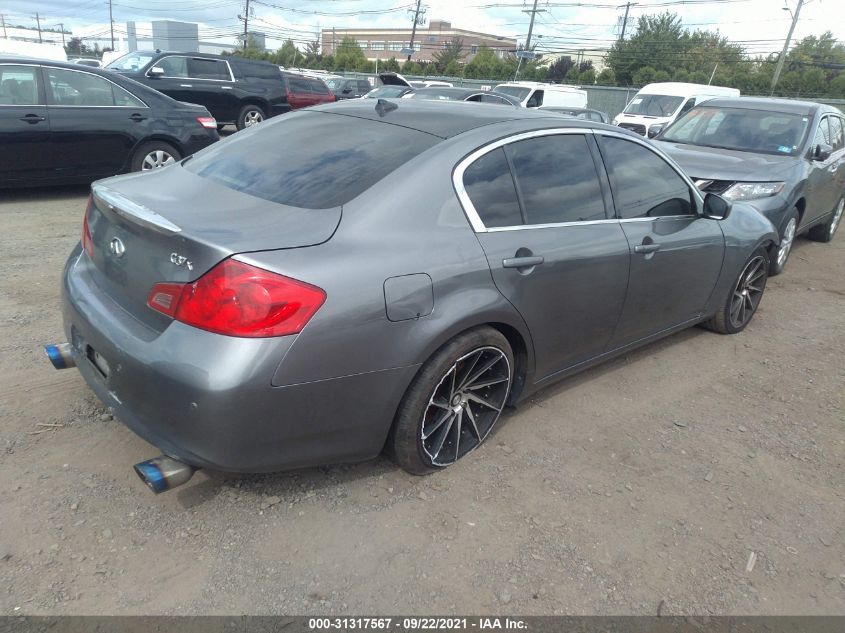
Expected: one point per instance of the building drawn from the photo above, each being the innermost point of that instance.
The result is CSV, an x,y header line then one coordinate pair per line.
x,y
167,35
383,44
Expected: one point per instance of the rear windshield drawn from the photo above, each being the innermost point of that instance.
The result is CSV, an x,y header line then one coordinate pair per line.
x,y
654,105
312,160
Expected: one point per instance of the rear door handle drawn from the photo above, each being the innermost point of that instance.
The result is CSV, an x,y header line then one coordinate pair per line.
x,y
226,87
33,118
646,248
522,262
137,117
186,85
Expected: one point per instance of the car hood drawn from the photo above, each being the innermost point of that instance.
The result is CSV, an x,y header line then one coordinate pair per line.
x,y
394,79
724,164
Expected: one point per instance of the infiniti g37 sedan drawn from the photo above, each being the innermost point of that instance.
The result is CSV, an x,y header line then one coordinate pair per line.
x,y
392,285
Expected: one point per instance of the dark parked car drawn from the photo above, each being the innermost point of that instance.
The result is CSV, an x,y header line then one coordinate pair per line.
x,y
65,123
234,89
305,91
481,253
463,94
785,157
579,113
345,88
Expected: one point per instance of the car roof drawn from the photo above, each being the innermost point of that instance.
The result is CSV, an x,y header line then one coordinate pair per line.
x,y
15,59
789,106
444,118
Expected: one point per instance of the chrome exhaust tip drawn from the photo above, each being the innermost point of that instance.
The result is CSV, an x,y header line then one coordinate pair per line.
x,y
60,355
164,473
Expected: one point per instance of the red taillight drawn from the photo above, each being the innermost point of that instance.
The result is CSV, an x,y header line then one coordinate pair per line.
x,y
208,122
87,242
237,299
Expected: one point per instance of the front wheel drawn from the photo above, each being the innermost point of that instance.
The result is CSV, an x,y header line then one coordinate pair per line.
x,y
789,228
250,115
453,402
824,232
745,296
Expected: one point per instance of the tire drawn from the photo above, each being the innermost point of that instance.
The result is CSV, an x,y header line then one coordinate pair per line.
x,y
439,422
154,154
788,232
250,115
825,232
744,297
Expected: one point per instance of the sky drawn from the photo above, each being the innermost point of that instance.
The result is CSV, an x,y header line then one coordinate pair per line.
x,y
566,26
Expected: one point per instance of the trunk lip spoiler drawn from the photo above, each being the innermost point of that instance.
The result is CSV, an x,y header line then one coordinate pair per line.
x,y
133,211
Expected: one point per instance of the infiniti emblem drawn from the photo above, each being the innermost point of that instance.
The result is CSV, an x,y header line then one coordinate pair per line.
x,y
116,247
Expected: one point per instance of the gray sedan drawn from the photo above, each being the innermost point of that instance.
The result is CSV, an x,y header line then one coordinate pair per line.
x,y
394,283
785,157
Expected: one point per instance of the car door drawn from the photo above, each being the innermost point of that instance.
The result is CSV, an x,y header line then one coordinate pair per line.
x,y
24,125
175,82
837,135
94,123
676,254
299,94
822,193
537,204
211,85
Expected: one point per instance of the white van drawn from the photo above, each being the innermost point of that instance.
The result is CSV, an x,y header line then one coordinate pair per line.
x,y
532,94
655,106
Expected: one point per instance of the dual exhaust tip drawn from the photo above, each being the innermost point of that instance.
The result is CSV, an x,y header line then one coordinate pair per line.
x,y
161,473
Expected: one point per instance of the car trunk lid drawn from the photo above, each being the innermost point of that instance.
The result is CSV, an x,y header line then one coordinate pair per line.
x,y
173,226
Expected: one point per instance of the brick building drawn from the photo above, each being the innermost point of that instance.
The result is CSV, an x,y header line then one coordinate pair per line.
x,y
383,44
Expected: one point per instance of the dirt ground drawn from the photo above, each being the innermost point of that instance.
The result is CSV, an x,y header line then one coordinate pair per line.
x,y
649,480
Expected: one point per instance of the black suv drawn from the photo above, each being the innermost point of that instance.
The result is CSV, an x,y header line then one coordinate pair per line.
x,y
234,89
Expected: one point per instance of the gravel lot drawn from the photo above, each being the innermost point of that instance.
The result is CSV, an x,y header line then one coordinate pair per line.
x,y
645,483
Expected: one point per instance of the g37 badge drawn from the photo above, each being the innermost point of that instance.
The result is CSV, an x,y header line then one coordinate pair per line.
x,y
176,258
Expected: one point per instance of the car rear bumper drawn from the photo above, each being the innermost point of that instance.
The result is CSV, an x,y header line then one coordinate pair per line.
x,y
207,399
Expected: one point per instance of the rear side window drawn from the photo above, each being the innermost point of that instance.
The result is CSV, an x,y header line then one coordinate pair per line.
x,y
836,132
72,88
318,87
557,179
298,84
336,158
208,69
536,100
19,85
489,184
258,71
644,185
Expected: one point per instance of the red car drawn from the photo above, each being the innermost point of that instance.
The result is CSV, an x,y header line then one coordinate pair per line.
x,y
305,91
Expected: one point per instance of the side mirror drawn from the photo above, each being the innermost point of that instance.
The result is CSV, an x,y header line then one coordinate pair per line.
x,y
346,91
716,207
156,71
654,130
822,152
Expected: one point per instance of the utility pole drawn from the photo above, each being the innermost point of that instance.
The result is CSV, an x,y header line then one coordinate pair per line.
x,y
786,46
111,24
334,41
414,29
533,13
245,18
38,22
625,19
3,20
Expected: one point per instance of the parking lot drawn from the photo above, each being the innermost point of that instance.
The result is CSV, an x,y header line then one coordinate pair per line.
x,y
700,475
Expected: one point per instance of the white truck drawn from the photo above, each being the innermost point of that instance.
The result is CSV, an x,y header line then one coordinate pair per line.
x,y
656,106
532,94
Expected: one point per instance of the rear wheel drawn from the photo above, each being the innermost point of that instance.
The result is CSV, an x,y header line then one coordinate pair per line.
x,y
453,403
153,155
825,232
788,232
250,115
743,300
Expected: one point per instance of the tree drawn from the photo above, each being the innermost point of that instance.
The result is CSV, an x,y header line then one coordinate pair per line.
x,y
453,69
606,78
349,55
312,54
287,55
485,65
588,77
411,67
390,66
560,68
76,48
452,52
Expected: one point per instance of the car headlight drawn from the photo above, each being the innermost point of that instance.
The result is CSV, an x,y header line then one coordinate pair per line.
x,y
752,190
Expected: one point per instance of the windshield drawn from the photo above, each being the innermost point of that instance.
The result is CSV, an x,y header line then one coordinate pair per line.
x,y
132,61
513,91
758,131
386,92
335,83
439,94
654,105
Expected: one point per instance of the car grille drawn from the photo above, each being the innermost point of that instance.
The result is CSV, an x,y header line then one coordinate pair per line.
x,y
712,186
634,127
